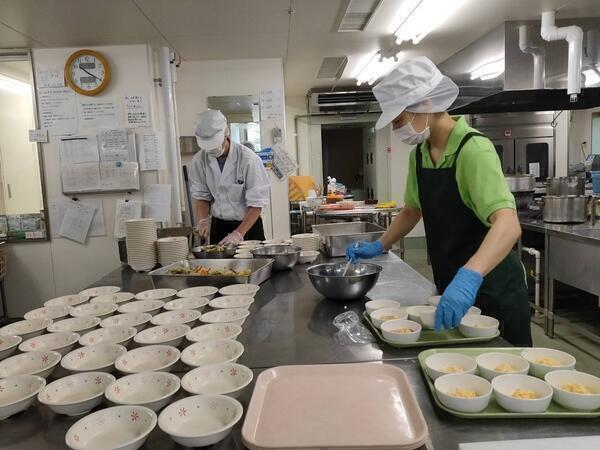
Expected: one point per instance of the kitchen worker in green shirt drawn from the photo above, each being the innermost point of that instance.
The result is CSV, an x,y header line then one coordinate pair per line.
x,y
455,183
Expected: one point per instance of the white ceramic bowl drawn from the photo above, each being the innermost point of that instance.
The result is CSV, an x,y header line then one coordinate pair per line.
x,y
76,394
384,314
67,300
380,304
434,300
427,317
26,328
17,393
48,312
181,316
93,358
196,303
476,326
212,331
505,385
250,242
119,427
40,363
571,400
171,334
447,384
8,345
100,290
236,316
101,310
61,342
153,390
212,352
207,292
487,363
164,294
151,307
80,325
308,257
399,338
117,297
240,289
473,310
136,320
225,379
231,301
537,369
440,364
200,420
151,358
414,312
113,335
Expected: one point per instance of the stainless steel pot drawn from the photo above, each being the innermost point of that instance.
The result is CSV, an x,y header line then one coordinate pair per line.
x,y
214,251
565,208
285,256
565,186
520,183
330,281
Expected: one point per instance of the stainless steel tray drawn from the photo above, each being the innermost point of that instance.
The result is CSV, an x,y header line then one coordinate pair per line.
x,y
335,237
261,271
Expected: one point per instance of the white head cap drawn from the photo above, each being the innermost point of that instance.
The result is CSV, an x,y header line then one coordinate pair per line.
x,y
416,85
210,129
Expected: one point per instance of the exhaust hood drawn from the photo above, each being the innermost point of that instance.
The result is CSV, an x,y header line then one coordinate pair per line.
x,y
512,69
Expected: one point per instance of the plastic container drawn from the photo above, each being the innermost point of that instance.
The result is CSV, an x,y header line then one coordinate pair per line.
x,y
596,181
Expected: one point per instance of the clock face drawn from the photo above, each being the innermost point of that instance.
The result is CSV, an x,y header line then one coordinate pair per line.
x,y
87,72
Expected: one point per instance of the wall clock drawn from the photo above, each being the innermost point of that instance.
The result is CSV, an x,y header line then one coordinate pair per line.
x,y
87,72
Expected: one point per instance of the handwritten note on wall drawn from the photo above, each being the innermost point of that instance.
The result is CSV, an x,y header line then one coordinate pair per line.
x,y
98,113
58,110
136,111
152,155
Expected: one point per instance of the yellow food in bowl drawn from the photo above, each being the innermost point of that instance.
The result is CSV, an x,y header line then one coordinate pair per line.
x,y
463,393
525,394
403,330
505,367
548,361
577,388
453,369
390,317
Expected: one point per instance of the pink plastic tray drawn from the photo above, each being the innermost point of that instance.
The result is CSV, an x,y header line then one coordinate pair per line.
x,y
350,406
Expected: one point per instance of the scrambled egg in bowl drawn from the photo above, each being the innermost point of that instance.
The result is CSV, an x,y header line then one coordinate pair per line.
x,y
453,369
405,330
548,361
524,394
505,368
577,388
463,393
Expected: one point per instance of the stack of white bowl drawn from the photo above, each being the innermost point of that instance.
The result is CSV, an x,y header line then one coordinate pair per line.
x,y
140,237
306,241
172,249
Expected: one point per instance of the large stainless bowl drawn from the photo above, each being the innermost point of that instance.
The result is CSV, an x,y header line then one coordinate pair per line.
x,y
285,256
330,281
214,251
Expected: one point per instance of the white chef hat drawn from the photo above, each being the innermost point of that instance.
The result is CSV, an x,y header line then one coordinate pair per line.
x,y
416,85
210,129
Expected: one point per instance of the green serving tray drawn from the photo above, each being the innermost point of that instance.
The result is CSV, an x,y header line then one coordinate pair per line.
x,y
494,410
429,338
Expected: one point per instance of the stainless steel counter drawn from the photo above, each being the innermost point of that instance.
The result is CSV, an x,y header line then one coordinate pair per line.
x,y
578,232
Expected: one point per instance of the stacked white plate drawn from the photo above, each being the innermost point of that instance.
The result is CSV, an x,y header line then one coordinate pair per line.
x,y
307,241
172,249
140,236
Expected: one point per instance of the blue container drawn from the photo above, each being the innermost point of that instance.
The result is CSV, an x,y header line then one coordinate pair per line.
x,y
596,181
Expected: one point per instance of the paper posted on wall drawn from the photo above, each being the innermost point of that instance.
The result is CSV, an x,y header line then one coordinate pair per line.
x,y
114,145
271,104
119,176
283,163
152,155
157,202
50,76
136,111
76,222
126,210
78,149
58,110
58,207
84,177
98,113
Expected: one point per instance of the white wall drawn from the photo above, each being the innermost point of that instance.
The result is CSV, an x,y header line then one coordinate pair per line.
x,y
38,271
197,80
580,131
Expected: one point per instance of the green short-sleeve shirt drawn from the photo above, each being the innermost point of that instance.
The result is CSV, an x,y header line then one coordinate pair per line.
x,y
479,174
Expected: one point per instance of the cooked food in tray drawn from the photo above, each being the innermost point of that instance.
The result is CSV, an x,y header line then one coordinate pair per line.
x,y
577,388
463,393
209,271
525,394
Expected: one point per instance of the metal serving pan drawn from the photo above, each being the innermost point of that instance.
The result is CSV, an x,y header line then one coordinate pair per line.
x,y
261,271
335,237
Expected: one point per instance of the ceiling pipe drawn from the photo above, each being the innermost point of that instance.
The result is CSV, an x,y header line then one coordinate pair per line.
x,y
574,36
539,57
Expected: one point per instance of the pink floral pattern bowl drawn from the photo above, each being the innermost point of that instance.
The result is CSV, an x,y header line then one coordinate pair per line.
x,y
17,393
40,363
226,379
150,358
100,358
153,390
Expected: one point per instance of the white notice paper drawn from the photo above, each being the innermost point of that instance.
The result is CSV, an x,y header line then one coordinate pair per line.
x,y
534,169
126,210
113,144
119,176
283,164
50,76
58,208
78,149
136,111
98,113
58,110
152,155
76,222
157,202
83,177
271,104
38,136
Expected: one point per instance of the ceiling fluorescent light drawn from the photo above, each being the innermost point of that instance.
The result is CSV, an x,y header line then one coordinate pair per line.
x,y
488,70
592,77
377,67
419,17
12,85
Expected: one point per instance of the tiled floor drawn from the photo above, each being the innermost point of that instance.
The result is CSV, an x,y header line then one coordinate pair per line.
x,y
583,349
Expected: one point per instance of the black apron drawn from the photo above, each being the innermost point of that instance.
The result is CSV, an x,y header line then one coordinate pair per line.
x,y
220,228
454,234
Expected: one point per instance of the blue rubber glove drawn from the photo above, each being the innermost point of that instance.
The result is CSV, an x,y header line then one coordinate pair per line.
x,y
458,297
364,250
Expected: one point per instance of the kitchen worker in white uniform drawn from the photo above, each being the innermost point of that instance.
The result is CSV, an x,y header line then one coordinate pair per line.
x,y
229,183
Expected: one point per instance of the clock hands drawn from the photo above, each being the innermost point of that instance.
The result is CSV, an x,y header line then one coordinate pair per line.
x,y
90,74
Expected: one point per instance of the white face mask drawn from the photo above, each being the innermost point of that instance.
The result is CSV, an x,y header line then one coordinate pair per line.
x,y
410,136
216,152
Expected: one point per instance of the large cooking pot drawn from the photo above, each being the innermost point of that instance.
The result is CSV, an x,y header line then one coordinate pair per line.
x,y
565,186
565,208
520,183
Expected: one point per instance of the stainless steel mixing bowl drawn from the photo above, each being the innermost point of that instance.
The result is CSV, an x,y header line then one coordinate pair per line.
x,y
214,251
330,281
285,256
